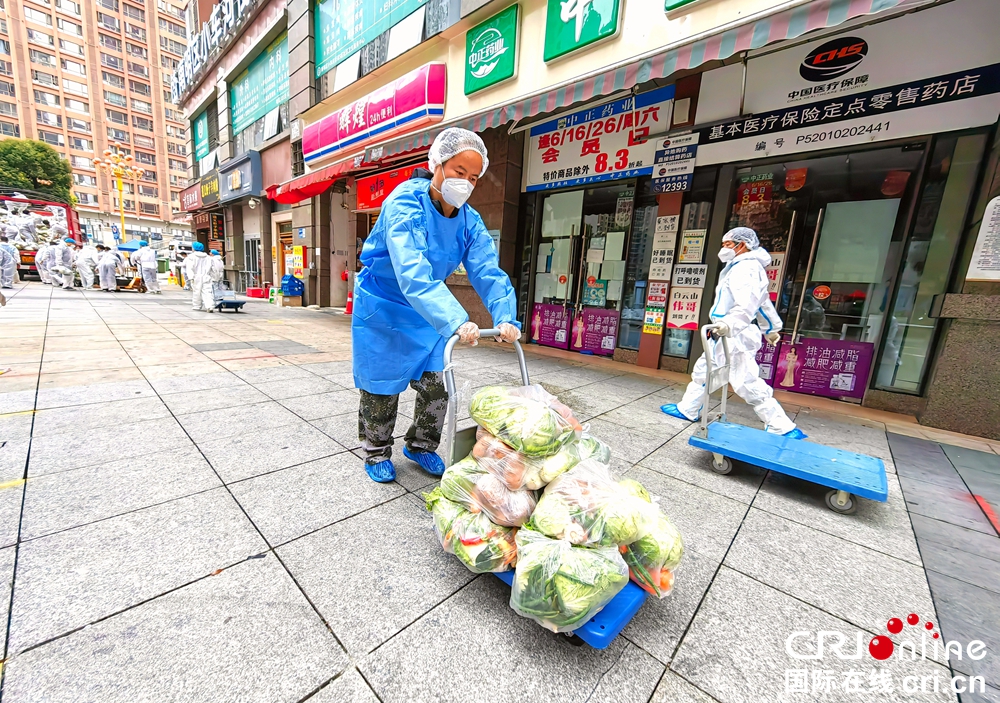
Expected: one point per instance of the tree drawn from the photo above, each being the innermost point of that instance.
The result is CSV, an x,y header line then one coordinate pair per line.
x,y
25,163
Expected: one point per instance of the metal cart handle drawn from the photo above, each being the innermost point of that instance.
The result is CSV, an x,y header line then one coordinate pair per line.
x,y
449,384
709,350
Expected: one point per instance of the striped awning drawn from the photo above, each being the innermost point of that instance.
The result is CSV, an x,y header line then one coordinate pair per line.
x,y
753,34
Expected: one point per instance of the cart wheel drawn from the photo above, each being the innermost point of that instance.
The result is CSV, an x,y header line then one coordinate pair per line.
x,y
848,508
574,640
722,464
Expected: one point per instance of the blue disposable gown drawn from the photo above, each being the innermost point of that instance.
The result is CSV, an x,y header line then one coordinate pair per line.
x,y
403,311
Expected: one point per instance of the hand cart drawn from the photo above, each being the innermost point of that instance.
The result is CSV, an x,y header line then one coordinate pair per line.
x,y
598,632
225,298
845,473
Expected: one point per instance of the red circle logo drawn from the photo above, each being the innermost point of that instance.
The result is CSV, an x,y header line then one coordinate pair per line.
x,y
562,279
591,281
821,292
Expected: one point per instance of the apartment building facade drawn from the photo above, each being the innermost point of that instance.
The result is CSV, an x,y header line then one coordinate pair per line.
x,y
85,76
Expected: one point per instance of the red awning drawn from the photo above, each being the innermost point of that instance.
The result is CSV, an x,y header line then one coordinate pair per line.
x,y
315,183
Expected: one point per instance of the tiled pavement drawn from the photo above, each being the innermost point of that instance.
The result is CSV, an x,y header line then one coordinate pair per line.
x,y
195,527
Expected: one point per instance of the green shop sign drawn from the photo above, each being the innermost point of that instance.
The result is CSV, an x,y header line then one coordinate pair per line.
x,y
262,87
344,26
574,24
201,136
674,4
491,51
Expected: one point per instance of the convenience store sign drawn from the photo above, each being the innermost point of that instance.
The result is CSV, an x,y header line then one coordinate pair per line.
x,y
344,26
262,87
602,143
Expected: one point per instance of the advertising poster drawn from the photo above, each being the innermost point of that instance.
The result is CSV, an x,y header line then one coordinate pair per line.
x,y
775,272
985,264
595,294
690,276
595,331
673,165
766,357
832,368
653,321
298,262
656,308
685,305
550,325
692,246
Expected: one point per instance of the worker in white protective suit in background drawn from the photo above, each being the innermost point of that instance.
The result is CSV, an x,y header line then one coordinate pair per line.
x,y
61,270
740,298
9,258
144,259
43,260
198,269
86,263
108,265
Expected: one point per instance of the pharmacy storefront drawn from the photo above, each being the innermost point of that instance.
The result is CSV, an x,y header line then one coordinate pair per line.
x,y
858,167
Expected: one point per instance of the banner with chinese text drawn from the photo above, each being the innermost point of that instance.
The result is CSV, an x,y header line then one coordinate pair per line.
x,y
833,368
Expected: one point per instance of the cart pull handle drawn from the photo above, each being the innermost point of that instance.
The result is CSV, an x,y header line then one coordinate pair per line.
x,y
707,336
449,384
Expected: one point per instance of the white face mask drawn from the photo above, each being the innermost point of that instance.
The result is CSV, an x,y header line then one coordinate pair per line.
x,y
726,255
456,191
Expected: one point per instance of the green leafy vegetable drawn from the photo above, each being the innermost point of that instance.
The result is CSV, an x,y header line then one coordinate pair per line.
x,y
652,559
478,543
523,419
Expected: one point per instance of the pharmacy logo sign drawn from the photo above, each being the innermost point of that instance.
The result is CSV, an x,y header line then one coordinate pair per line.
x,y
574,24
491,51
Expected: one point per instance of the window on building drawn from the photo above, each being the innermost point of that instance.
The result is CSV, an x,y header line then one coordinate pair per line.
x,y
149,208
71,47
141,140
52,138
6,68
77,105
42,38
44,78
84,198
51,119
73,67
77,125
172,46
136,50
142,106
170,9
149,191
167,62
173,28
81,162
134,31
117,135
109,4
117,117
46,98
69,27
41,58
81,144
113,80
68,6
4,44
7,88
112,62
115,99
177,164
175,180
10,130
139,88
134,12
33,15
3,28
7,108
137,69
75,87
83,179
108,22
149,176
112,43
172,114
143,123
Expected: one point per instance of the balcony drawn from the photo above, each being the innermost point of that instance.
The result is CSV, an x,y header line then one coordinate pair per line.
x,y
109,4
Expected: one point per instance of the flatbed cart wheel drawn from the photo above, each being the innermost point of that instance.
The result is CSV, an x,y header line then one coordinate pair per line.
x,y
847,508
574,640
721,464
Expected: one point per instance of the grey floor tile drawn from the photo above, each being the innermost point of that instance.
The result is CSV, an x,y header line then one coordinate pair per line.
x,y
312,407
643,384
6,579
626,443
632,678
660,623
15,426
268,374
75,577
736,651
17,402
329,367
707,521
221,346
115,414
884,527
97,393
987,694
349,687
853,583
233,397
961,565
966,613
955,537
955,506
282,390
586,406
237,458
674,689
574,377
344,428
984,484
972,459
284,347
198,382
646,417
13,458
344,379
390,571
289,503
70,498
859,438
244,636
521,660
251,419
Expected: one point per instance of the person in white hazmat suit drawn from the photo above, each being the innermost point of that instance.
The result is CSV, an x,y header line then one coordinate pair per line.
x,y
198,268
43,260
740,298
86,263
144,259
108,265
61,270
9,258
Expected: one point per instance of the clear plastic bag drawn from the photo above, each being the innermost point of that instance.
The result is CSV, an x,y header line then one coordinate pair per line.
x,y
586,506
478,543
527,418
519,471
652,558
477,489
561,586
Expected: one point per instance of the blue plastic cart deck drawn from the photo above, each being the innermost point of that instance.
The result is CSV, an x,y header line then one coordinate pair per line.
x,y
601,630
236,305
861,475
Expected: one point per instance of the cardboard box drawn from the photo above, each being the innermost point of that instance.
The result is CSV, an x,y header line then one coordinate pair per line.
x,y
290,301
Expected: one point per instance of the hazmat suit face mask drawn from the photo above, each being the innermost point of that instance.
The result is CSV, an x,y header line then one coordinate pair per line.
x,y
726,255
456,191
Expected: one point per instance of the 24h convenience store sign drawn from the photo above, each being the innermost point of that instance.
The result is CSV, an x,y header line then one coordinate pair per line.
x,y
602,143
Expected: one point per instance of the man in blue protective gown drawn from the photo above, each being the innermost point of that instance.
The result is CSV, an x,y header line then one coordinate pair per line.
x,y
403,311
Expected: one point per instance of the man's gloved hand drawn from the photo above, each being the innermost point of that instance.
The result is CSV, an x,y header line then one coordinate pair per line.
x,y
773,338
508,332
468,333
721,330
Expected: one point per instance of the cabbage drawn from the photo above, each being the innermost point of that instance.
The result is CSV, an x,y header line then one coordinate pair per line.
x,y
653,558
478,543
476,489
634,488
523,419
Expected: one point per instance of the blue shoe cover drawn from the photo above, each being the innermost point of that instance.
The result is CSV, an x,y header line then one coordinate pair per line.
x,y
429,461
795,434
382,472
671,410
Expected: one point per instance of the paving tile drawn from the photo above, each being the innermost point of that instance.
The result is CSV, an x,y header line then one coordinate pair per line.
x,y
674,689
956,507
626,443
344,428
70,498
850,582
961,565
646,417
735,649
214,399
284,347
660,623
632,678
965,613
344,379
328,367
955,537
75,577
221,346
279,372
76,449
823,429
244,636
13,458
585,405
224,422
984,484
15,426
292,502
7,557
520,660
707,521
972,459
280,390
253,454
312,407
95,393
988,694
390,570
883,527
114,414
17,401
349,687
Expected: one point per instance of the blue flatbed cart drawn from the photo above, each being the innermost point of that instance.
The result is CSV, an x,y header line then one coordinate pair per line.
x,y
225,298
598,632
847,474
